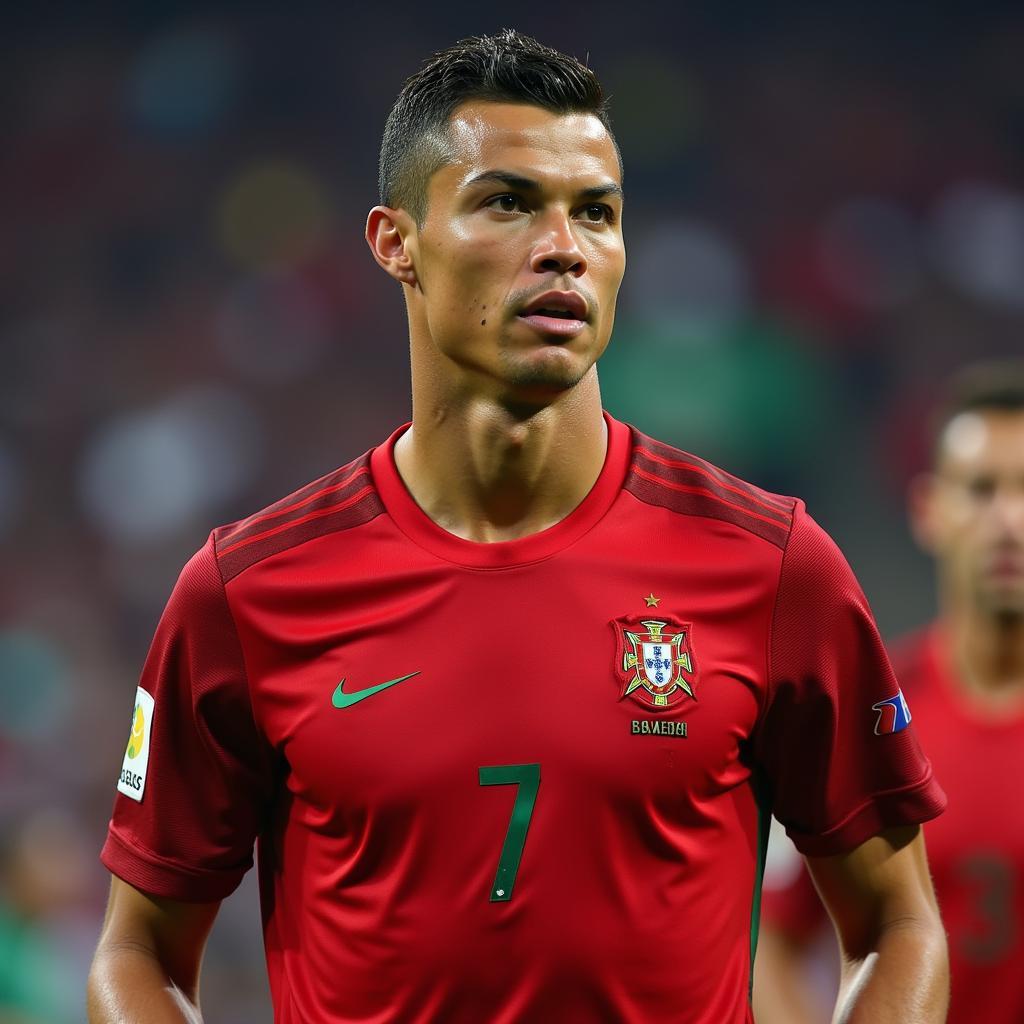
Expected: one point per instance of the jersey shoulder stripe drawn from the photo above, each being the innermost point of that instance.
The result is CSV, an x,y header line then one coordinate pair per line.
x,y
670,478
338,501
336,486
667,451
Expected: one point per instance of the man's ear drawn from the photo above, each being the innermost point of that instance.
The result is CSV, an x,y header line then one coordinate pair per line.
x,y
390,234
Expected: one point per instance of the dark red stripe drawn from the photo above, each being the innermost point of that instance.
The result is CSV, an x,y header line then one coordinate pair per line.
x,y
690,489
311,488
338,517
245,528
296,522
697,502
673,456
747,493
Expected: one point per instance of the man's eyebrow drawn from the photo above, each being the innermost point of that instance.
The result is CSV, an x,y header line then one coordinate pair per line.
x,y
602,191
506,178
521,184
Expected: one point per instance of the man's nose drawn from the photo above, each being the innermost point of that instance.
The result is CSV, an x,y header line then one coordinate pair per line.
x,y
556,249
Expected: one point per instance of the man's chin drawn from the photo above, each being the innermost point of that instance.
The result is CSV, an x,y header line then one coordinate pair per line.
x,y
544,379
1004,602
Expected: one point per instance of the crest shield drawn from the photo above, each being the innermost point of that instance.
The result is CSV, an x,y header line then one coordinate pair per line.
x,y
655,664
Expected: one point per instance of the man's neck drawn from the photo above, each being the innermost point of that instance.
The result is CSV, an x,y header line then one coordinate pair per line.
x,y
487,473
989,654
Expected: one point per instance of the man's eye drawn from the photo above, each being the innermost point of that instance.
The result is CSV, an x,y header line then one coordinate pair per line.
x,y
597,213
981,488
507,203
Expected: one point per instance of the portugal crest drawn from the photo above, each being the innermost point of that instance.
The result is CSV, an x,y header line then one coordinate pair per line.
x,y
655,660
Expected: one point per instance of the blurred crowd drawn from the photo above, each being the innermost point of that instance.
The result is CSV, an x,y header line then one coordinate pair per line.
x,y
824,216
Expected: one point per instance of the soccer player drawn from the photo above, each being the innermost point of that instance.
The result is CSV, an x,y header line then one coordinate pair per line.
x,y
506,701
964,677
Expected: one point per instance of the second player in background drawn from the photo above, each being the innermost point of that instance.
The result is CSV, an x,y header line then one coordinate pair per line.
x,y
963,677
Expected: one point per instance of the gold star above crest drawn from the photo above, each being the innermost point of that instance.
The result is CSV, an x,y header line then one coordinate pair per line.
x,y
652,601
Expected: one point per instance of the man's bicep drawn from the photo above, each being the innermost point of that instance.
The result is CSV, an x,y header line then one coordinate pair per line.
x,y
882,883
173,932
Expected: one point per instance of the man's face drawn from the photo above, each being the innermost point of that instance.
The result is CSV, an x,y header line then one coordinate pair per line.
x,y
520,256
973,516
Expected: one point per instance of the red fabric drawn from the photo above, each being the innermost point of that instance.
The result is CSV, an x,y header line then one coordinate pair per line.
x,y
378,845
662,476
975,849
836,782
192,836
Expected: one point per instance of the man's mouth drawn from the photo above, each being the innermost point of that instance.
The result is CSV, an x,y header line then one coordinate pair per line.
x,y
560,313
1006,566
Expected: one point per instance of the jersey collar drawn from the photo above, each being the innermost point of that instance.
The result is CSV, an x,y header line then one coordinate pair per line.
x,y
422,530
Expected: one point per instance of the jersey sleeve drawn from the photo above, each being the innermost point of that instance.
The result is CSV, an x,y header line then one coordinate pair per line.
x,y
195,782
836,742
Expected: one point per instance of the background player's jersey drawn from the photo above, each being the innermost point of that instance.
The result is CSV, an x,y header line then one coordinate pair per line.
x,y
975,849
513,782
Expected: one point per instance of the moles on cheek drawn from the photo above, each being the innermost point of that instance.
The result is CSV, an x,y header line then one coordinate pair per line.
x,y
461,299
475,277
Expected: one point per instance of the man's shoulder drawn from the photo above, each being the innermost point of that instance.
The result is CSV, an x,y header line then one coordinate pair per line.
x,y
913,657
340,500
671,478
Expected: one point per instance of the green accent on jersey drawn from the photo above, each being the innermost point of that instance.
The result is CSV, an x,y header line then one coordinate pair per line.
x,y
341,699
764,822
526,777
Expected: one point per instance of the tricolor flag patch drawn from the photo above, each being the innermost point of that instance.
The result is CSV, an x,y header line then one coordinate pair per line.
x,y
893,715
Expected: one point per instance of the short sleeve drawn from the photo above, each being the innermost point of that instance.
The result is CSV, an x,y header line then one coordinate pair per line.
x,y
195,783
836,739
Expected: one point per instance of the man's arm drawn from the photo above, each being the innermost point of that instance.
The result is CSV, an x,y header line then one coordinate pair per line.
x,y
892,942
146,968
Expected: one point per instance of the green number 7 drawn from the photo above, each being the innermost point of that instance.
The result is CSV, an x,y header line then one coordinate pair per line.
x,y
527,778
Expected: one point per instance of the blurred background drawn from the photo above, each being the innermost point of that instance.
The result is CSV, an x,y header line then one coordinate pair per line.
x,y
825,216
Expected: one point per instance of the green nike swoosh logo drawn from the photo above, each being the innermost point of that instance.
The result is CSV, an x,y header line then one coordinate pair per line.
x,y
341,699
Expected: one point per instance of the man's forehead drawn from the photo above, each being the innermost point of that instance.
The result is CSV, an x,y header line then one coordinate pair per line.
x,y
486,134
979,437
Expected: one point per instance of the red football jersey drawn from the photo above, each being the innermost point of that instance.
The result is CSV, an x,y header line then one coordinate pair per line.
x,y
513,782
975,849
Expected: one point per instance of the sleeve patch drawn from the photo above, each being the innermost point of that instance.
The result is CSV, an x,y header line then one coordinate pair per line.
x,y
893,715
132,780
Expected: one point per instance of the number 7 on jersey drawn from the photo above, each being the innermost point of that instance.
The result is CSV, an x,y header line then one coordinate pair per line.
x,y
526,777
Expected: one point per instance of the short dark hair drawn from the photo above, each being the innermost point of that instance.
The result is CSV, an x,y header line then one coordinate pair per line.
x,y
996,386
508,67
